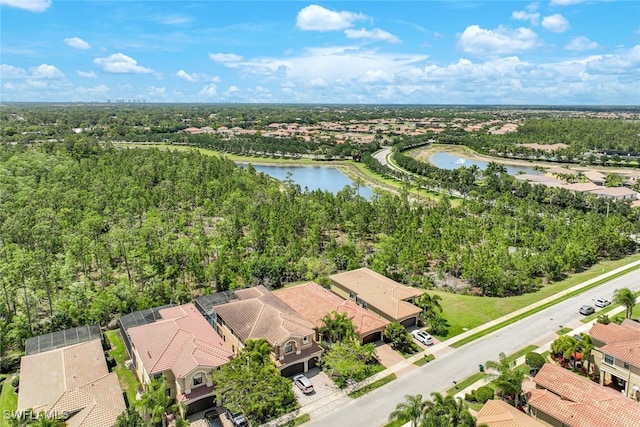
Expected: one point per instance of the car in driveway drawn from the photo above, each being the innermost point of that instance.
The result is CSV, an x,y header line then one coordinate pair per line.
x,y
422,337
213,418
602,302
587,310
237,419
303,383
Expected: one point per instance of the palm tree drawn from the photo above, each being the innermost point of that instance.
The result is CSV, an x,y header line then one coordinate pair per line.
x,y
155,400
337,327
410,410
430,305
587,346
258,351
446,411
626,297
510,377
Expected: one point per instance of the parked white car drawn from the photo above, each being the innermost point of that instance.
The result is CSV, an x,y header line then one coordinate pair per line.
x,y
602,302
423,337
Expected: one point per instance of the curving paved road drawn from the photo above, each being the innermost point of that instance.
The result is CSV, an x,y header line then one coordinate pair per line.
x,y
540,328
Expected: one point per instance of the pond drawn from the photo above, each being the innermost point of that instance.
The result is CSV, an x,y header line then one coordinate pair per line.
x,y
314,178
451,161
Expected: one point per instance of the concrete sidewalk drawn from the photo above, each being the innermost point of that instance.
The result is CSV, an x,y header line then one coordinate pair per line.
x,y
339,398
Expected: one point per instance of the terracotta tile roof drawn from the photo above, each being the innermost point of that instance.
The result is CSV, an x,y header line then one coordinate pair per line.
x,y
628,351
582,187
314,302
181,341
561,170
380,292
579,402
497,413
263,316
615,192
72,379
614,333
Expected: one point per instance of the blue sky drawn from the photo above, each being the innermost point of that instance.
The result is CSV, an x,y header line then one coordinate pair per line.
x,y
557,52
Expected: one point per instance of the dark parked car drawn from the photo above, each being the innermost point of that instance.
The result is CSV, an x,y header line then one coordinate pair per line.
x,y
587,310
238,419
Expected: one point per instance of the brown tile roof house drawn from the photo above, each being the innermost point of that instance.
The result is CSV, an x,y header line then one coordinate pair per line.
x,y
582,187
559,170
314,302
616,355
379,294
616,193
595,177
74,380
259,314
567,399
498,413
185,348
540,179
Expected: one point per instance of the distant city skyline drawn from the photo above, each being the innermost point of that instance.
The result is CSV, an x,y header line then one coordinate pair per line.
x,y
557,52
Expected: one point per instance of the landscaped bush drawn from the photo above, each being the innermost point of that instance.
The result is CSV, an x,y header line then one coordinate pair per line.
x,y
534,360
483,394
15,382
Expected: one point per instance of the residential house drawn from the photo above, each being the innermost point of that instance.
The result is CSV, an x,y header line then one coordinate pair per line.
x,y
540,179
616,354
596,177
386,298
71,383
256,314
565,399
498,413
615,193
178,343
582,187
314,302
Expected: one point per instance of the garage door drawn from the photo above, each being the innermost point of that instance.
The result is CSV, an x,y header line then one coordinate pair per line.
x,y
376,336
409,322
200,405
292,370
313,363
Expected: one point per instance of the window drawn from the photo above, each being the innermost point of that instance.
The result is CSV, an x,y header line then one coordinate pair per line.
x,y
365,305
625,365
352,295
197,379
608,359
288,348
305,340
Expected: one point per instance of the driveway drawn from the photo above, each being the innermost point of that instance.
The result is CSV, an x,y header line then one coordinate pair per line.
x,y
322,386
386,355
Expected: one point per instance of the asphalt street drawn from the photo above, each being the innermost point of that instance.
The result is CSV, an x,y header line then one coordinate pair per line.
x,y
373,409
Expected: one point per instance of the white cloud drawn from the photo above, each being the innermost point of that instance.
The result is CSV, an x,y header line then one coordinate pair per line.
x,y
231,91
522,15
555,23
196,77
225,57
119,63
11,72
209,91
318,82
77,43
375,34
46,71
87,74
317,18
565,2
175,19
377,76
627,62
30,5
502,40
581,44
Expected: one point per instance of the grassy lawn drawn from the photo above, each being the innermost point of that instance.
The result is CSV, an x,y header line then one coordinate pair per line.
x,y
8,401
564,331
374,385
128,380
470,380
522,352
465,312
426,359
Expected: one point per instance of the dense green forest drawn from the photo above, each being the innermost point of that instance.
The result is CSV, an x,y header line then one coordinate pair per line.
x,y
89,232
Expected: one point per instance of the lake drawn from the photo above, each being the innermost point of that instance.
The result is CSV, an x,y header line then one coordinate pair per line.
x,y
451,161
314,178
